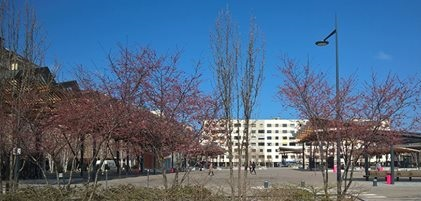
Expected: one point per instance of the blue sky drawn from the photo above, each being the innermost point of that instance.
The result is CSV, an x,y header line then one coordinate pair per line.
x,y
374,36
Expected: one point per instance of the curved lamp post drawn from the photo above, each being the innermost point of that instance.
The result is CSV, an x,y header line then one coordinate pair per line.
x,y
325,42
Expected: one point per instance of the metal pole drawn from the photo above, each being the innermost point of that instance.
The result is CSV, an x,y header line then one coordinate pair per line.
x,y
338,140
304,157
366,165
392,164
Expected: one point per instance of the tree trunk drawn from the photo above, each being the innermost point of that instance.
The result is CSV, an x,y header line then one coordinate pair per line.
x,y
230,157
246,153
164,172
71,172
11,173
240,162
1,168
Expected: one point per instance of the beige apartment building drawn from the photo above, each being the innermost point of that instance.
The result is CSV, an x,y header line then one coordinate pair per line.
x,y
268,138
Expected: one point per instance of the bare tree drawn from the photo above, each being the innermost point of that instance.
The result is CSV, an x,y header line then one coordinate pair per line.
x,y
310,94
226,51
237,86
371,116
21,84
251,82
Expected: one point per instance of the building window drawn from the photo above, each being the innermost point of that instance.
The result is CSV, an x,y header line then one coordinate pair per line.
x,y
253,131
253,144
269,144
269,137
284,125
268,131
261,131
284,131
269,150
269,157
276,138
253,150
276,125
261,138
237,125
276,156
276,131
292,125
292,144
292,138
261,144
261,150
276,144
14,66
261,156
285,138
253,125
284,144
268,125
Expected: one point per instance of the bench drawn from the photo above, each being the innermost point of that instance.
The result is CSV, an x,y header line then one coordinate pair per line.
x,y
407,173
376,174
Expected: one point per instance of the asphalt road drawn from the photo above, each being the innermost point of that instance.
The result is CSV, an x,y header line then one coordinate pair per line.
x,y
401,190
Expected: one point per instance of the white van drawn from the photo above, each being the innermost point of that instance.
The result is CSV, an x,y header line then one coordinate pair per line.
x,y
107,162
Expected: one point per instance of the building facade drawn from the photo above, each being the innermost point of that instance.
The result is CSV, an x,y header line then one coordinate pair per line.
x,y
268,140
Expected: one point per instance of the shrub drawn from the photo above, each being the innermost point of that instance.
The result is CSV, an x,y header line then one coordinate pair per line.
x,y
130,192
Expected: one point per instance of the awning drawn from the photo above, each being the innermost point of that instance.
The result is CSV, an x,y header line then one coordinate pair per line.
x,y
290,149
406,150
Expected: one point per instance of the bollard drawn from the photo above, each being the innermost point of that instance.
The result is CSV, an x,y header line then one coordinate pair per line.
x,y
303,184
388,178
266,184
375,181
106,179
60,177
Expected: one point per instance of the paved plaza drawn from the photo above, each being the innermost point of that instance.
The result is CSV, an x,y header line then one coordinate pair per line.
x,y
401,190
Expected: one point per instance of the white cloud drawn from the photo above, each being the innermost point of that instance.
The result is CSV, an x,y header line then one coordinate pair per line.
x,y
383,56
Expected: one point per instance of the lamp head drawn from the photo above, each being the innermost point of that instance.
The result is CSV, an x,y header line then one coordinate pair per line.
x,y
322,43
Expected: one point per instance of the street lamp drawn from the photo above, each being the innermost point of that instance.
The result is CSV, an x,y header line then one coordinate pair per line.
x,y
325,42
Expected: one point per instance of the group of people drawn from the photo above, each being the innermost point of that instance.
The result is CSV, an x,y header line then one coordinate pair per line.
x,y
252,167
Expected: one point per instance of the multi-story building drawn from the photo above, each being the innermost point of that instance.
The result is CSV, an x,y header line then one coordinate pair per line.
x,y
266,137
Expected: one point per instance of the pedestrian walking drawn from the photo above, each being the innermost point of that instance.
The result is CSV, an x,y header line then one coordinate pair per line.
x,y
253,168
211,170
